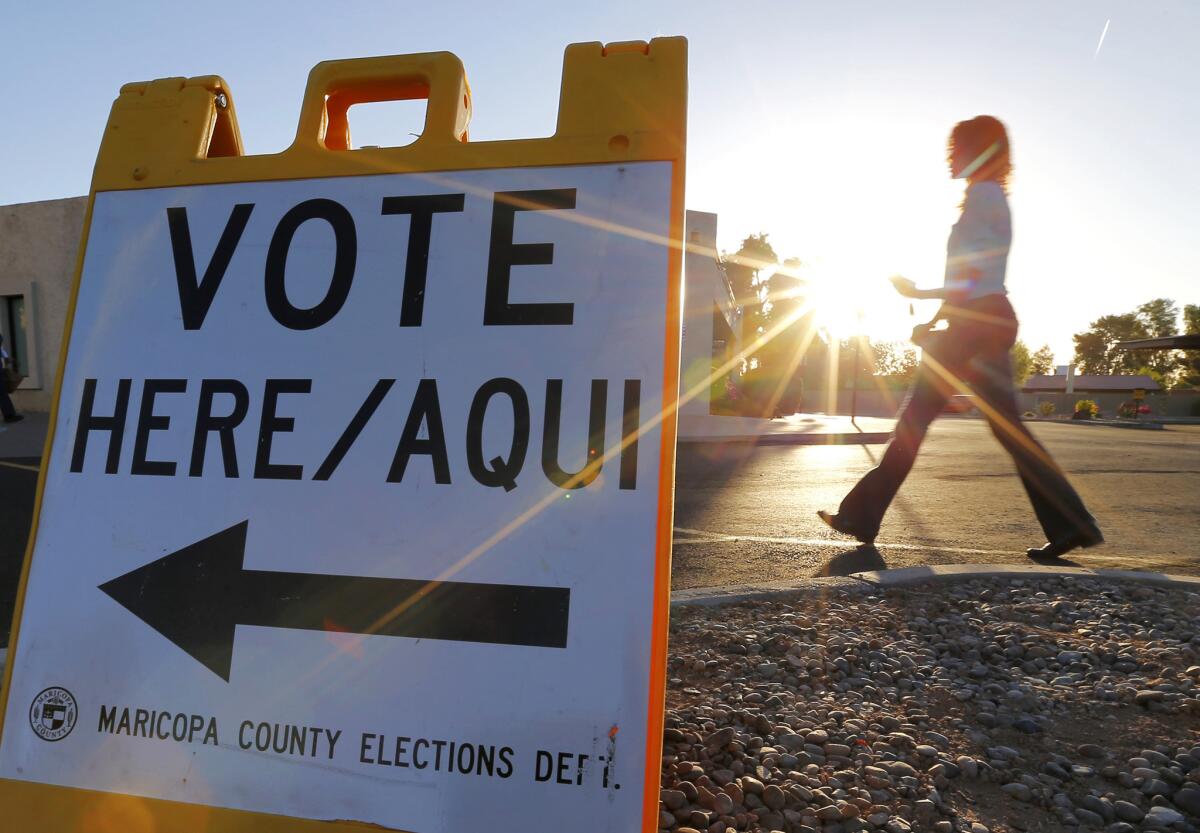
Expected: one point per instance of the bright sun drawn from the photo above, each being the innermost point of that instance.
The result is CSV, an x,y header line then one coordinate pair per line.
x,y
849,302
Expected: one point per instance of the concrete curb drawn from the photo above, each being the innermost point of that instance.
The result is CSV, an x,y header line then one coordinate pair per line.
x,y
711,596
913,576
1108,423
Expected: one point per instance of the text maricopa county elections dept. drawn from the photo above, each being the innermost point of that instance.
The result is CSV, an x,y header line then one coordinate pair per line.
x,y
222,404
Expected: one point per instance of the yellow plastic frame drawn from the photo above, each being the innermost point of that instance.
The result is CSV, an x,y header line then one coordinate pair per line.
x,y
619,102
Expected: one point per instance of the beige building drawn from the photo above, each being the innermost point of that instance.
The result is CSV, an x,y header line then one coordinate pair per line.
x,y
38,245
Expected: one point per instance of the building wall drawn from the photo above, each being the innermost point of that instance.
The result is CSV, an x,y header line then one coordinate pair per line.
x,y
38,246
705,294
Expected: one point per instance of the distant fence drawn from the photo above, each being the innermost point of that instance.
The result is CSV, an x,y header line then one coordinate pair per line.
x,y
1170,404
885,403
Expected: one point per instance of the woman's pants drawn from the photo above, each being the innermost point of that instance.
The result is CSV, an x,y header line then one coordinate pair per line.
x,y
974,351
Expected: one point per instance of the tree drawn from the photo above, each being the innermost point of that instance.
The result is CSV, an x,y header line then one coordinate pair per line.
x,y
743,268
1160,317
744,265
1041,363
1163,381
1190,377
1091,352
757,249
782,367
1096,350
895,359
772,302
850,352
1022,363
1191,319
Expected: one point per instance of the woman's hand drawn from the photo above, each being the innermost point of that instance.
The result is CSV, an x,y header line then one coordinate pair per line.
x,y
904,286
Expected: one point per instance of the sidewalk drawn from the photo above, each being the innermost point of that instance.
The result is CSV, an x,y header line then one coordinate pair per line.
x,y
797,429
24,440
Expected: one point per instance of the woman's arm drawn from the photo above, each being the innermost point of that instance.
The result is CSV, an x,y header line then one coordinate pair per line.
x,y
909,289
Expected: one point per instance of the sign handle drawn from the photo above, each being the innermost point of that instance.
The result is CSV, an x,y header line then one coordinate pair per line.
x,y
336,86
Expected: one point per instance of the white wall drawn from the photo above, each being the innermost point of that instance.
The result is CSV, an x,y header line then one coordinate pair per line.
x,y
38,246
704,286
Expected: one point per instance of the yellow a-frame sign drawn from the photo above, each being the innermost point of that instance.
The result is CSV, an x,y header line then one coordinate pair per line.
x,y
355,511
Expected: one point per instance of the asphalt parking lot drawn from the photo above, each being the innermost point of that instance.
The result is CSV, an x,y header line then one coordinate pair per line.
x,y
750,516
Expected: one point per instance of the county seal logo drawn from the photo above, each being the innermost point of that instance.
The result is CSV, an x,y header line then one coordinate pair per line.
x,y
53,714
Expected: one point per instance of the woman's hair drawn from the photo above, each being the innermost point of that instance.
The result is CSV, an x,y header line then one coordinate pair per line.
x,y
984,140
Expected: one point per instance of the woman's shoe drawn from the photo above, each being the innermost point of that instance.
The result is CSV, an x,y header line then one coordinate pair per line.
x,y
839,524
1084,538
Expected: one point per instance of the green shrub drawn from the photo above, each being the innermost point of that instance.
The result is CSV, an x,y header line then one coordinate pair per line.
x,y
1086,409
1132,409
1046,408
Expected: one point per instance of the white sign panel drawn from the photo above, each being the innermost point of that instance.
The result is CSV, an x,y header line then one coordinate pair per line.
x,y
287,409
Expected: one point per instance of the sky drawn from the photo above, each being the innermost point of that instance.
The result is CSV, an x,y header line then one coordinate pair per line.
x,y
821,124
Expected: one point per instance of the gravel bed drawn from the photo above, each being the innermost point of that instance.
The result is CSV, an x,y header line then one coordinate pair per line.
x,y
984,706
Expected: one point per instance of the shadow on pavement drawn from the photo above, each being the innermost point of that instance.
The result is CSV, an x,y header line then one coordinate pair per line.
x,y
861,559
710,464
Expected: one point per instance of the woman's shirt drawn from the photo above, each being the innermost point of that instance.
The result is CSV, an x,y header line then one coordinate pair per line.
x,y
977,251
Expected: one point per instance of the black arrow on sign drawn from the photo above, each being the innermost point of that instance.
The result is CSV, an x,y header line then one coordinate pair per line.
x,y
197,597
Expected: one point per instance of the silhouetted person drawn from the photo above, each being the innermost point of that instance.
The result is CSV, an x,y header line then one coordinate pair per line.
x,y
972,352
6,404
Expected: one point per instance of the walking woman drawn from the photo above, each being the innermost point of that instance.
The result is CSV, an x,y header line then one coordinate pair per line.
x,y
972,352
